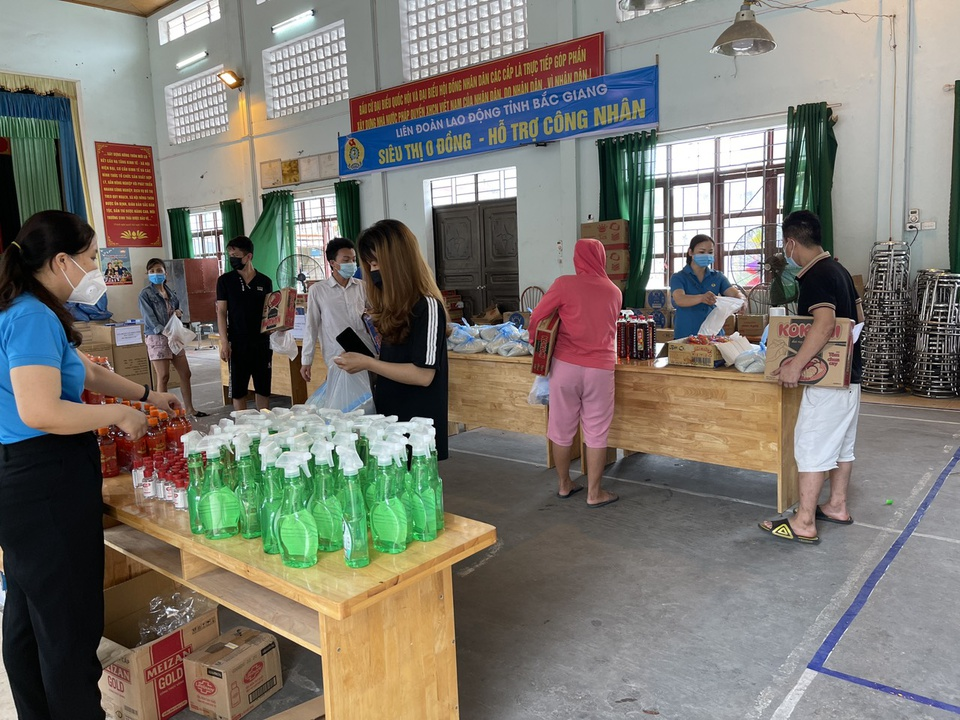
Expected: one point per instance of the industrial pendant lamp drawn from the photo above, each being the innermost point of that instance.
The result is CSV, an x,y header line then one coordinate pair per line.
x,y
746,36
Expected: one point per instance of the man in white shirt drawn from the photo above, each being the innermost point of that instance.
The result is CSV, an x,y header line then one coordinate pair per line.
x,y
333,305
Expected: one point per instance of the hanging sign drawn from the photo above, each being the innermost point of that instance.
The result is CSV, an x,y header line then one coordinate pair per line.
x,y
627,100
529,71
128,191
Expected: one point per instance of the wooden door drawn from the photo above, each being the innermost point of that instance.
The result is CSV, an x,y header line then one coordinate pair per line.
x,y
476,252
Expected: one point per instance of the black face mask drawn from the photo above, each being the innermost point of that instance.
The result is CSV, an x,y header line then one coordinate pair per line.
x,y
376,279
237,263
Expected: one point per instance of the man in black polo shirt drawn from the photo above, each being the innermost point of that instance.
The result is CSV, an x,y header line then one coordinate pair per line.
x,y
240,296
827,423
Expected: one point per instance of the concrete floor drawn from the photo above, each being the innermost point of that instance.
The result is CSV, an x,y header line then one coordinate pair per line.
x,y
671,603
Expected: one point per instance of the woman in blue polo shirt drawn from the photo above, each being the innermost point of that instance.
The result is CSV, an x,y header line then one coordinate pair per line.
x,y
695,289
51,503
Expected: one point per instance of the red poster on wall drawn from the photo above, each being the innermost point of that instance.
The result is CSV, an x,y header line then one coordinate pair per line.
x,y
128,190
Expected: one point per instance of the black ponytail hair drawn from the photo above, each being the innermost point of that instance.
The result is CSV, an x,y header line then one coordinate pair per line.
x,y
42,237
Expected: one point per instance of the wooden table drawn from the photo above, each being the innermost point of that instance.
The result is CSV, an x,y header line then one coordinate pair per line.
x,y
385,632
287,380
719,416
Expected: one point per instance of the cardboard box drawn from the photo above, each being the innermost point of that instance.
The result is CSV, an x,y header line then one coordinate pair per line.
x,y
751,326
858,285
172,382
234,674
544,341
279,310
520,319
658,299
830,367
132,363
146,683
680,352
615,236
98,349
661,317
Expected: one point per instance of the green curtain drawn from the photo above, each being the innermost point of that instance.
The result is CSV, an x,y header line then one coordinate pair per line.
x,y
348,208
34,149
953,233
627,181
181,236
231,214
274,235
808,172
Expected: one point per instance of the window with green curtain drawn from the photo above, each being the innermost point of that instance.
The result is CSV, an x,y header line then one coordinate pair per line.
x,y
231,217
811,157
348,208
33,145
953,233
274,235
627,180
181,235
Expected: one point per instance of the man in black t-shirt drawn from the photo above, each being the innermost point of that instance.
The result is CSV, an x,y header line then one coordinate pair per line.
x,y
240,296
827,422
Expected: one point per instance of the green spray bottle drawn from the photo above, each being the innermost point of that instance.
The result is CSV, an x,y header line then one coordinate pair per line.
x,y
296,528
388,516
272,496
423,490
432,437
219,507
195,469
248,491
356,543
326,503
398,446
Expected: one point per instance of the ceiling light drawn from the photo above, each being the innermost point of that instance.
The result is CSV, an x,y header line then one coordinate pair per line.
x,y
746,36
230,79
192,59
648,5
295,20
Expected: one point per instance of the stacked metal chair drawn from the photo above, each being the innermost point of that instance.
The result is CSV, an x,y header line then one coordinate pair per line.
x,y
887,308
935,371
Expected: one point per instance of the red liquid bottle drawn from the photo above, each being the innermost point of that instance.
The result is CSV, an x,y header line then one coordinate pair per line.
x,y
156,438
108,453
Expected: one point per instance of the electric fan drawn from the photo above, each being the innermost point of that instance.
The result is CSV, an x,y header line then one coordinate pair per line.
x,y
297,271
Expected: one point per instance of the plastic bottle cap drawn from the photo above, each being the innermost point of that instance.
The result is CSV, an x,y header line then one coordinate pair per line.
x,y
153,422
103,431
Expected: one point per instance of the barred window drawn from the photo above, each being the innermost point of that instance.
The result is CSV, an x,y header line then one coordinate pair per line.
x,y
443,35
190,17
306,72
206,227
316,225
196,107
490,185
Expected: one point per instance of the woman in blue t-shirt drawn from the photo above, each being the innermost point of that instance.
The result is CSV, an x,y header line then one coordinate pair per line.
x,y
694,290
51,505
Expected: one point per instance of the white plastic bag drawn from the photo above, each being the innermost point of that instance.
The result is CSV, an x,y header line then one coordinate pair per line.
x,y
753,361
540,392
284,343
515,349
473,345
177,335
489,332
508,333
735,346
725,307
344,392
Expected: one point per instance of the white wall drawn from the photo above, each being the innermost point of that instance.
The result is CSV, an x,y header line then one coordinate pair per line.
x,y
107,53
819,56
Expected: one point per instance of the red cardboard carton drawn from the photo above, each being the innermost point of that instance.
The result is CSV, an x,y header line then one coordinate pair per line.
x,y
544,341
279,310
829,368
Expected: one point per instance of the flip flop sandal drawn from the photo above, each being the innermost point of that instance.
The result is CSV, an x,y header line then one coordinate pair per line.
x,y
594,506
782,530
576,489
200,414
821,516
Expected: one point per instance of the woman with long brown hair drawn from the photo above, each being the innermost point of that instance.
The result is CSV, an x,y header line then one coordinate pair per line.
x,y
51,503
409,313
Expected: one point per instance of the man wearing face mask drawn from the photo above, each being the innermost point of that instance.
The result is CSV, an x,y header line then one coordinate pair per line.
x,y
694,289
240,296
827,422
333,305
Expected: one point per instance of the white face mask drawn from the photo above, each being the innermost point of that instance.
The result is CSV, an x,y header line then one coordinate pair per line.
x,y
90,289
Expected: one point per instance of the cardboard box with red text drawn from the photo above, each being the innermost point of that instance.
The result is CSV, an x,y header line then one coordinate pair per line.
x,y
146,683
233,674
829,368
615,236
681,352
544,340
279,310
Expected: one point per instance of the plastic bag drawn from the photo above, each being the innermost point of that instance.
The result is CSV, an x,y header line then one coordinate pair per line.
x,y
508,333
753,361
473,345
177,335
284,343
459,335
344,392
540,392
514,349
489,332
725,307
735,346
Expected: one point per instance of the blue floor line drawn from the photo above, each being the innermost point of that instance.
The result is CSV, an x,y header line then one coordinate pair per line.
x,y
817,664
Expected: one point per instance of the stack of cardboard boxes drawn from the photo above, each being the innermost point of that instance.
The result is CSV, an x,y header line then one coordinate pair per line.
x,y
121,344
454,304
615,236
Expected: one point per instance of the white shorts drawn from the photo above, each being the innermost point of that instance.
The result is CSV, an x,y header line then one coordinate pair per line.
x,y
826,428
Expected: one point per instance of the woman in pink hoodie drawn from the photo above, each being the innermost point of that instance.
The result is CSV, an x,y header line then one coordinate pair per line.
x,y
581,373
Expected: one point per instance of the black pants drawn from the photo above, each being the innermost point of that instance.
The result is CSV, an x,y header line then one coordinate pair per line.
x,y
250,358
51,532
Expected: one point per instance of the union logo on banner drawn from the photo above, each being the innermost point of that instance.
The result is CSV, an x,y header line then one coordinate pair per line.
x,y
353,153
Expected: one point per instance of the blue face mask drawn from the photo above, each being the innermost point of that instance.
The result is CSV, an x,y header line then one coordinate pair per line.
x,y
156,278
703,260
791,262
347,270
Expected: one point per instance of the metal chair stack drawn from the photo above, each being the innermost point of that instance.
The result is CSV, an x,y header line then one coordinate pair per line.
x,y
936,357
887,308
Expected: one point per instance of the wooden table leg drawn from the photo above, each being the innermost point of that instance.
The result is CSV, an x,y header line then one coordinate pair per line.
x,y
396,659
788,490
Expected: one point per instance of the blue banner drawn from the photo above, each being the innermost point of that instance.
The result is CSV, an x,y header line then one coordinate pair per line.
x,y
627,100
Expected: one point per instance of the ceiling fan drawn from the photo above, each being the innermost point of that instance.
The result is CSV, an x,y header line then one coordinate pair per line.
x,y
648,5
